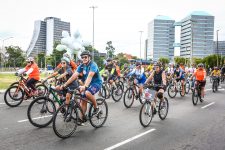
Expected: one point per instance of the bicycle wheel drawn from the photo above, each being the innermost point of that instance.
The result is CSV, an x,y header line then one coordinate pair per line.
x,y
172,91
214,86
163,108
146,114
13,96
128,98
99,119
65,121
40,112
15,84
187,87
121,83
42,89
195,97
117,93
102,92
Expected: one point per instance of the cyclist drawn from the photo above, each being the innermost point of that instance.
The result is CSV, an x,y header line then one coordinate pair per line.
x,y
159,78
138,72
71,63
216,74
200,77
223,72
33,73
91,78
65,73
179,74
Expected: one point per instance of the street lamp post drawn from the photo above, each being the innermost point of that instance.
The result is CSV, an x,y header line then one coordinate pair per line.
x,y
140,42
93,38
217,49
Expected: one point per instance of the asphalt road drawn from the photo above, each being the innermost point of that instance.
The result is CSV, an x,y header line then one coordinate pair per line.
x,y
186,127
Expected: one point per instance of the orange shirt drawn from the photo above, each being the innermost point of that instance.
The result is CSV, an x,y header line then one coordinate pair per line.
x,y
72,64
200,74
35,73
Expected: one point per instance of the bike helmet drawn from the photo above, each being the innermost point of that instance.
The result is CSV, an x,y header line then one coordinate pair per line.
x,y
66,59
137,63
66,55
109,59
200,65
85,53
30,59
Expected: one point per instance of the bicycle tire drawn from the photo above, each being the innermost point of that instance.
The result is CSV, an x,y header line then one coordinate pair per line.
x,y
16,101
195,97
187,87
128,92
44,110
101,102
118,90
161,116
146,110
102,92
14,84
182,95
213,86
59,112
168,91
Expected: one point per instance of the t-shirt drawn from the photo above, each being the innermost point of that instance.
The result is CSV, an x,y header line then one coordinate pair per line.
x,y
200,74
91,67
68,75
216,73
35,73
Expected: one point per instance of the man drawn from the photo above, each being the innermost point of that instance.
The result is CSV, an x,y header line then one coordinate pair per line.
x,y
159,78
179,74
91,78
216,73
200,76
33,73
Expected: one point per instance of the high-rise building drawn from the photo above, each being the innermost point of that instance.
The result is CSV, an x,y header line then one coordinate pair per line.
x,y
219,48
160,38
45,34
197,30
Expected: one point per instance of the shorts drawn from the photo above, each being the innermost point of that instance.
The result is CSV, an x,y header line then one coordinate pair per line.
x,y
158,88
180,79
94,88
201,83
72,87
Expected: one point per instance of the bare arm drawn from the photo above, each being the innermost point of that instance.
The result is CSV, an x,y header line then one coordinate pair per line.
x,y
164,78
150,77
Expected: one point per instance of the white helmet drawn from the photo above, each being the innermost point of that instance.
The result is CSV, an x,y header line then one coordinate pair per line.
x,y
30,59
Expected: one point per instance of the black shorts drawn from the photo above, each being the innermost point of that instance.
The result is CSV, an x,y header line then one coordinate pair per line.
x,y
201,83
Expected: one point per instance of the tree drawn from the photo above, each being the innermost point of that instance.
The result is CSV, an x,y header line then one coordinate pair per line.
x,y
110,49
164,60
179,60
121,59
16,57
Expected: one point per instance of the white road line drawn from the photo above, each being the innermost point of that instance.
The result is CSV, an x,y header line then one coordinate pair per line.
x,y
208,105
211,89
129,140
34,118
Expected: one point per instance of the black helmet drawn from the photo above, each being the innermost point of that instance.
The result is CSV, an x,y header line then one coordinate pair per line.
x,y
85,53
177,66
109,59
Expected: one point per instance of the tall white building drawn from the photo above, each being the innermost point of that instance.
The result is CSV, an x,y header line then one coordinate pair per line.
x,y
160,38
197,31
45,34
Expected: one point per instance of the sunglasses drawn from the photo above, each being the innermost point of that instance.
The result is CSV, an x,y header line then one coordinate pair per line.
x,y
63,62
200,66
84,57
28,62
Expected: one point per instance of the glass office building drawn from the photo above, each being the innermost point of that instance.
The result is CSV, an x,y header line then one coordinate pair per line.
x,y
219,47
45,34
160,38
197,32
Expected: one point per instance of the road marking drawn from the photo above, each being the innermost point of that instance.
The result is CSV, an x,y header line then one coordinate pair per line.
x,y
34,118
211,89
208,105
129,140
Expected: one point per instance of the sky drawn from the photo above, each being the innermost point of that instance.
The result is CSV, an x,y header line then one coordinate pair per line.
x,y
118,21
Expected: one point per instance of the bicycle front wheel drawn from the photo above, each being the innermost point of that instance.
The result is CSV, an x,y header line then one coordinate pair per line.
x,y
13,96
117,93
40,112
65,121
128,98
163,108
187,87
195,97
172,91
146,114
99,119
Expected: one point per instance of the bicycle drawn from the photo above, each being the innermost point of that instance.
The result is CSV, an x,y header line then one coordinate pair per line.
x,y
67,117
131,93
197,93
147,109
40,111
174,88
215,82
20,92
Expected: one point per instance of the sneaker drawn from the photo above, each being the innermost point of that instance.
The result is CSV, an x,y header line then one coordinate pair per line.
x,y
80,122
96,111
154,111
